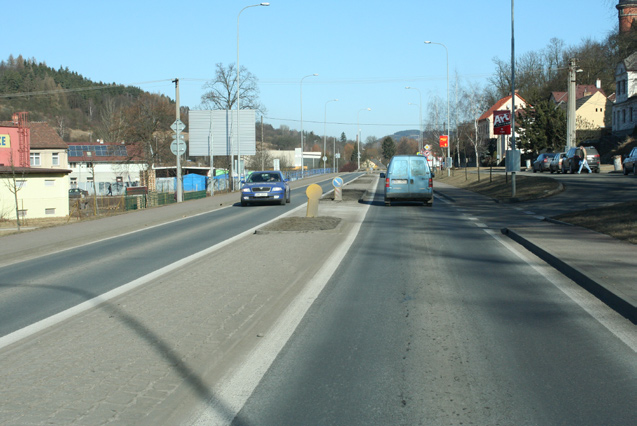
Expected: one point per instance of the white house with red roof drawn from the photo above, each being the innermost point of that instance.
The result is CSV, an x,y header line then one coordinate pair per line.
x,y
98,165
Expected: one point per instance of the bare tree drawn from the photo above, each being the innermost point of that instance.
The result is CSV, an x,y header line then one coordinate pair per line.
x,y
474,105
221,92
14,183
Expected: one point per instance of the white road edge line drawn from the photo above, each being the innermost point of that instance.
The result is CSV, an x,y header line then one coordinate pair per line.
x,y
96,301
615,323
234,391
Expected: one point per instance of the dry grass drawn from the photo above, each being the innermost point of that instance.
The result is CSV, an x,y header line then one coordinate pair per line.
x,y
619,220
498,186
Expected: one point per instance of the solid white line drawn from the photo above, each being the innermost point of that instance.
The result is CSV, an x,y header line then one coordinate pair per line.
x,y
235,390
611,320
96,301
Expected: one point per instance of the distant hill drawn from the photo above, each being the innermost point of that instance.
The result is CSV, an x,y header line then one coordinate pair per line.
x,y
57,96
405,134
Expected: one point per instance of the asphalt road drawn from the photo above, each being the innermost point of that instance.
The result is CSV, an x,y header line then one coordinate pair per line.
x,y
433,319
36,289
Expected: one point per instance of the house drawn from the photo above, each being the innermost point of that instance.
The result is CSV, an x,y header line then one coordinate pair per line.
x,y
592,106
485,122
47,150
624,116
97,165
40,191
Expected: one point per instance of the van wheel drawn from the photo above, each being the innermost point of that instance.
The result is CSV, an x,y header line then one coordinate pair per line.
x,y
429,203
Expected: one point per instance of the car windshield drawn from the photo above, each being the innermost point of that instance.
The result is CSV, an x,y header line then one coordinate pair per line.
x,y
264,177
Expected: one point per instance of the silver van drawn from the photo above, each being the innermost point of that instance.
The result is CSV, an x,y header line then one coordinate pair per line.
x,y
409,178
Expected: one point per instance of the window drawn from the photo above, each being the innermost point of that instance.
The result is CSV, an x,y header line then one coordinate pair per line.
x,y
49,211
22,214
623,116
49,182
35,158
55,159
20,183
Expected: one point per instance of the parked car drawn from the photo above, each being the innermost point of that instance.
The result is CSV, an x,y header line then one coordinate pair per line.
x,y
630,163
541,163
571,162
77,193
265,187
555,166
409,178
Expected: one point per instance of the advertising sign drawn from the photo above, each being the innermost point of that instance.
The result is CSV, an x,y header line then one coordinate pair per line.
x,y
5,141
444,141
502,122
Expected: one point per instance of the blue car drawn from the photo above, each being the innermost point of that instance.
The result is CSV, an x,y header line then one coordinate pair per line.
x,y
265,187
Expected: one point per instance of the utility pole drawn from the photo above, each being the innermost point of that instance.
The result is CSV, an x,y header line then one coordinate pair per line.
x,y
570,103
262,152
180,196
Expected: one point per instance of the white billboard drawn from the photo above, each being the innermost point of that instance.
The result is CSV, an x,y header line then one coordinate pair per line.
x,y
217,129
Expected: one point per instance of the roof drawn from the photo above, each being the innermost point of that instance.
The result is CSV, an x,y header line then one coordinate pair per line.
x,y
7,170
44,136
581,90
498,105
102,152
631,62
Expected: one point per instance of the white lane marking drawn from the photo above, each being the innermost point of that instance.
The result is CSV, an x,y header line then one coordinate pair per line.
x,y
622,328
472,218
96,301
481,225
528,212
234,391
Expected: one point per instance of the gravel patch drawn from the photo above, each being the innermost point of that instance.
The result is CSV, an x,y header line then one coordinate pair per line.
x,y
301,224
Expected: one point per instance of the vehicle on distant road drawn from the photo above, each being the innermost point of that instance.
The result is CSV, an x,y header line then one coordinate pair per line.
x,y
409,178
555,166
630,163
265,187
77,193
571,162
541,163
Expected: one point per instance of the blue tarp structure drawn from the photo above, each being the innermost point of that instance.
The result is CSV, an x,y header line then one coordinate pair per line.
x,y
194,182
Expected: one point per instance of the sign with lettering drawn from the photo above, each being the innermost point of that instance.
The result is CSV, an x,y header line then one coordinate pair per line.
x,y
444,141
502,122
5,141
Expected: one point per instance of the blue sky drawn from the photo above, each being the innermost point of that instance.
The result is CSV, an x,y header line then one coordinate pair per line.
x,y
365,52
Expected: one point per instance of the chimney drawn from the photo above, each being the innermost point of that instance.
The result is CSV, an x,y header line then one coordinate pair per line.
x,y
598,83
627,13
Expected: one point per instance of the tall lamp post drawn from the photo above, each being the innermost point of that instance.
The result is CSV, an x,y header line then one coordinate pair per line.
x,y
325,134
448,124
301,84
419,117
358,136
239,91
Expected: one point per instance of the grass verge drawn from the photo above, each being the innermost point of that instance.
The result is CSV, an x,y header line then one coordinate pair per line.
x,y
618,220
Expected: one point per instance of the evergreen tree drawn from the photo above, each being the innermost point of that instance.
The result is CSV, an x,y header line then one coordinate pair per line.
x,y
544,127
389,148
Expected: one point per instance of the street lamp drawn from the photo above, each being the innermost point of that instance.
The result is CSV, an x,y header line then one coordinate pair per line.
x,y
448,124
301,84
325,134
358,136
239,91
419,117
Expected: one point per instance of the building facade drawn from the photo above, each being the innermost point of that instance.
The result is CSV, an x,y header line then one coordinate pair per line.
x,y
625,109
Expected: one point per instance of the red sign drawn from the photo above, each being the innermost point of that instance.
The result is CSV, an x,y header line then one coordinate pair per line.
x,y
502,122
444,141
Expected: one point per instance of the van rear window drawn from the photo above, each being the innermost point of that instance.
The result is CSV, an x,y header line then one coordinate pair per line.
x,y
418,167
399,168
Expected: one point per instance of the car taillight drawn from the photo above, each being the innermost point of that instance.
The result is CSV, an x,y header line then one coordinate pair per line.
x,y
431,183
546,160
386,182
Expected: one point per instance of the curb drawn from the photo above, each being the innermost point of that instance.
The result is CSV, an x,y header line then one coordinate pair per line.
x,y
615,302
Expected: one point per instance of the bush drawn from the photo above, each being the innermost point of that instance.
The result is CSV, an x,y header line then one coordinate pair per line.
x,y
349,167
